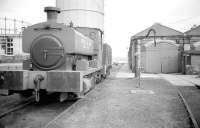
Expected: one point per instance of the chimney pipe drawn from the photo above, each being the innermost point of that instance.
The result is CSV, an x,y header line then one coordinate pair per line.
x,y
52,13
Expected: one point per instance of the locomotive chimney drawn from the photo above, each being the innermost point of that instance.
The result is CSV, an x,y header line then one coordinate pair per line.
x,y
52,13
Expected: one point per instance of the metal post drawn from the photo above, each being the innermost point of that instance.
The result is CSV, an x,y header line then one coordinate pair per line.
x,y
14,26
22,27
5,38
5,26
22,23
133,57
139,77
182,56
138,58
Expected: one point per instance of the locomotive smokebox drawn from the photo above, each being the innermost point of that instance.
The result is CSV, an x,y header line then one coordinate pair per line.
x,y
52,13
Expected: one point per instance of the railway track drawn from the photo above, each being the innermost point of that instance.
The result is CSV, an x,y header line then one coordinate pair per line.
x,y
29,113
193,120
179,88
16,106
8,108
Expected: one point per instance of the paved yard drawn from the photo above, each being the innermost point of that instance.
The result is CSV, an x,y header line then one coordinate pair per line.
x,y
186,84
118,103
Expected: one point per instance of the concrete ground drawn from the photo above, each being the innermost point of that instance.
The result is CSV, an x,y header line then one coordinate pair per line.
x,y
187,86
193,79
119,103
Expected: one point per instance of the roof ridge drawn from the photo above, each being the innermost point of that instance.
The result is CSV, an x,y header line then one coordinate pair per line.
x,y
171,28
192,29
157,24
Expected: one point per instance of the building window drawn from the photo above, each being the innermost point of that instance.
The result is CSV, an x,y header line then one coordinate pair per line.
x,y
9,51
9,46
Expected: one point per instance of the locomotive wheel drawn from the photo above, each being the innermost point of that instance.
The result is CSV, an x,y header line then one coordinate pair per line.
x,y
97,78
103,77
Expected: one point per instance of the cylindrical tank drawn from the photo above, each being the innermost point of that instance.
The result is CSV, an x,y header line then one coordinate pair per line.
x,y
82,13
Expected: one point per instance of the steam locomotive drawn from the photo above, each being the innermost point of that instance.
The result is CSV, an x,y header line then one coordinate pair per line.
x,y
64,59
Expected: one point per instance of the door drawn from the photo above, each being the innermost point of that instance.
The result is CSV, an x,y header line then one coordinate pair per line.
x,y
153,61
162,59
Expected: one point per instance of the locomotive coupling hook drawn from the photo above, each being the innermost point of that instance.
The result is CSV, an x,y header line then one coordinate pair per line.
x,y
37,80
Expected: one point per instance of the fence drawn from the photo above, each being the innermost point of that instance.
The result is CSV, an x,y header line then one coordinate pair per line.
x,y
12,26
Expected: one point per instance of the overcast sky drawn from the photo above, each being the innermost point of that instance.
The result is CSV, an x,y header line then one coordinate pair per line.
x,y
123,18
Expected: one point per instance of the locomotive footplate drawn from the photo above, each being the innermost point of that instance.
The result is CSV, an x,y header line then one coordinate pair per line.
x,y
51,81
54,81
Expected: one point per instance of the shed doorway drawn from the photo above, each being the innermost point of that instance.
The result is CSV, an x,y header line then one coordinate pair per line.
x,y
162,58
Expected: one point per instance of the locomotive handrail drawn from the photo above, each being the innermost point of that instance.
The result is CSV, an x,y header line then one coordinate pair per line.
x,y
48,28
95,54
91,70
53,48
86,10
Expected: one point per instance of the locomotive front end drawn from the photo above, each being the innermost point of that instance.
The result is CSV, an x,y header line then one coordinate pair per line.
x,y
47,52
55,49
63,59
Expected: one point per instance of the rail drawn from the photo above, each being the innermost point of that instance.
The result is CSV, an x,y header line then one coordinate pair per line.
x,y
194,122
21,104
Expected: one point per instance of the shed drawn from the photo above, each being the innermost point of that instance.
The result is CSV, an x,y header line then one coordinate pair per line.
x,y
191,58
193,34
160,59
165,57
191,62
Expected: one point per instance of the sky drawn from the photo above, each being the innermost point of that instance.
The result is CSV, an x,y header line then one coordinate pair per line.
x,y
123,18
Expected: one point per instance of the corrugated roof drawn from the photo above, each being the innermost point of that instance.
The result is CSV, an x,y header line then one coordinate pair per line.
x,y
161,30
194,31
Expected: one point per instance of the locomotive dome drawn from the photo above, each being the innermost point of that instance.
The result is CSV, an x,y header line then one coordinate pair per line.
x,y
47,52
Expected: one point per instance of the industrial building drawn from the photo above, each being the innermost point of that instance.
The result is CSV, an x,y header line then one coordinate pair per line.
x,y
164,57
11,36
11,44
191,56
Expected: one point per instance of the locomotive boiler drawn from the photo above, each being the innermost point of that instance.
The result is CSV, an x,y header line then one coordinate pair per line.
x,y
63,58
